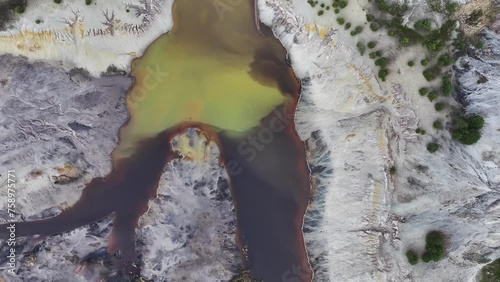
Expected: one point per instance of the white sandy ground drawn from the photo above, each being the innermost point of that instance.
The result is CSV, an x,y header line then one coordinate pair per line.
x,y
362,220
91,37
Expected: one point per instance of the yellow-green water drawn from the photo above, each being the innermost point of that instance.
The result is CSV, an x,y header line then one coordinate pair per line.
x,y
205,71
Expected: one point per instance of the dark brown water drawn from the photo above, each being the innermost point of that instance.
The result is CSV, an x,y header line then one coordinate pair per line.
x,y
222,75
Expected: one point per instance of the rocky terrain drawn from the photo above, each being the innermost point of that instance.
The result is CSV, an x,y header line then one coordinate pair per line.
x,y
363,218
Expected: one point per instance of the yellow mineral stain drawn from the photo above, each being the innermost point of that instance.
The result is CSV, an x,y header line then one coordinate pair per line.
x,y
380,139
322,32
203,72
194,148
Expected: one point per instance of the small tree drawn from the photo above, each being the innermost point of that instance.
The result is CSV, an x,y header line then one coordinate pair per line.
x,y
341,21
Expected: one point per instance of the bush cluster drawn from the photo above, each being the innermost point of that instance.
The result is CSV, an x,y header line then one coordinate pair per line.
x,y
467,129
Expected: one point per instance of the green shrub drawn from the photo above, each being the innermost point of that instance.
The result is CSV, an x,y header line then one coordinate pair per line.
x,y
57,1
38,21
423,91
372,44
420,131
374,26
383,73
467,130
439,106
411,63
372,55
381,62
19,9
336,11
430,74
341,21
412,257
392,32
479,44
320,13
433,95
424,62
347,26
446,85
445,60
322,4
379,53
343,4
432,147
434,249
434,44
88,2
451,7
361,48
392,170
369,18
425,25
404,41
437,124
